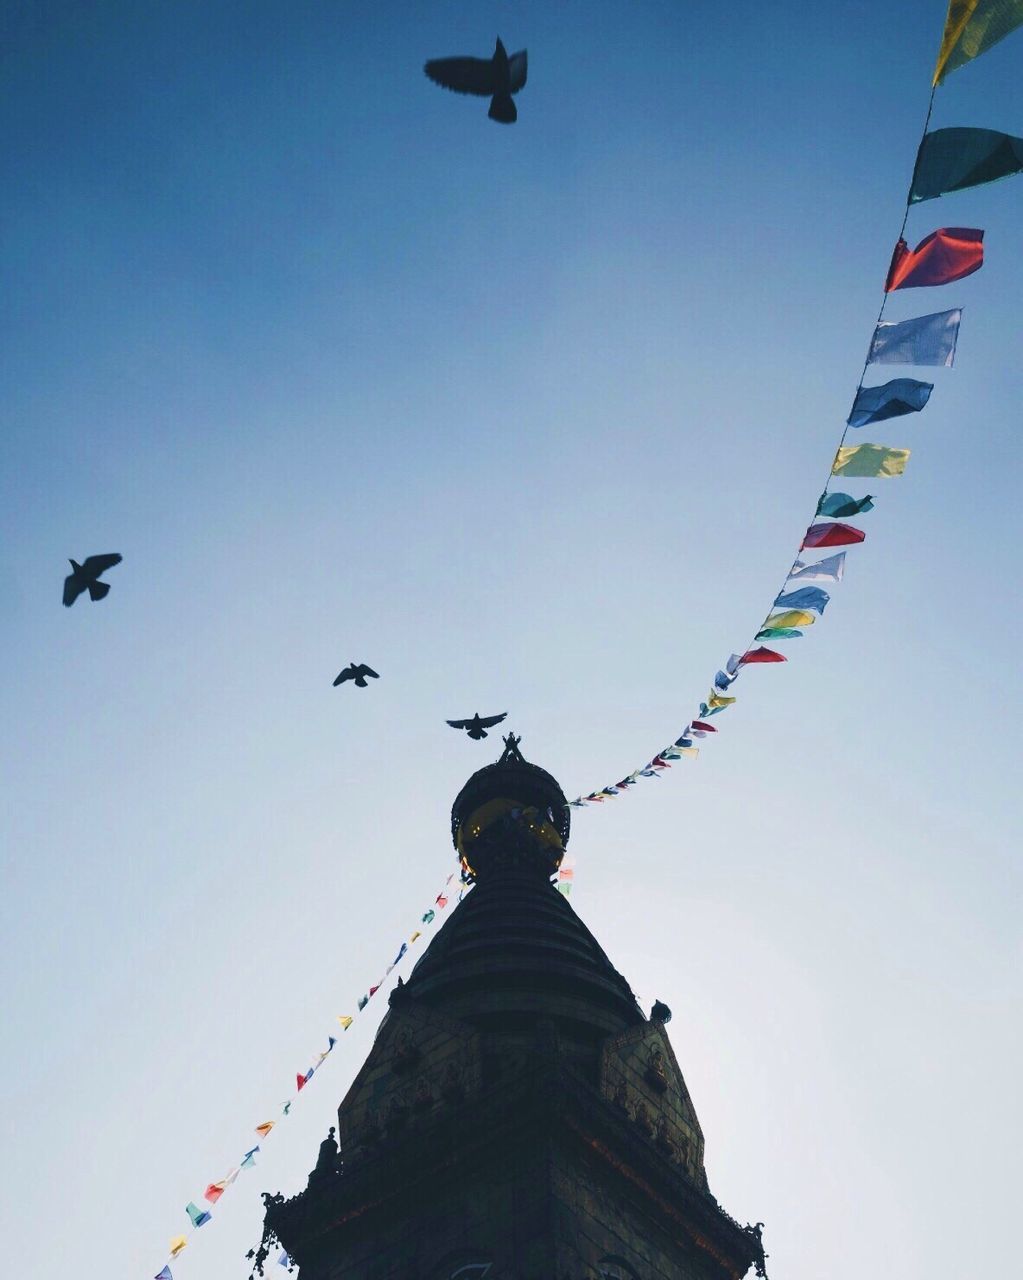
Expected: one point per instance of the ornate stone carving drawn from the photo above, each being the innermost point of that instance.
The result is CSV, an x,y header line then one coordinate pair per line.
x,y
423,1097
406,1051
643,1119
655,1074
452,1083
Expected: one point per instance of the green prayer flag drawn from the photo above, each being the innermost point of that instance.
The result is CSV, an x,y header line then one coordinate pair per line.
x,y
840,505
954,159
777,633
873,461
971,28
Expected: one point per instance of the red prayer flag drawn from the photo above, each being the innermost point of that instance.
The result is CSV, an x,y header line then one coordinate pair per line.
x,y
702,724
832,534
213,1192
762,655
300,1081
442,902
658,763
945,255
374,990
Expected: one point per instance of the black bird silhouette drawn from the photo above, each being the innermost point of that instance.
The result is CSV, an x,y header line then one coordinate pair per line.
x,y
85,577
358,673
477,727
497,78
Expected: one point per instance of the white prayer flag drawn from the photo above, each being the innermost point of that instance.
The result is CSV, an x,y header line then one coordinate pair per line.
x,y
829,570
927,340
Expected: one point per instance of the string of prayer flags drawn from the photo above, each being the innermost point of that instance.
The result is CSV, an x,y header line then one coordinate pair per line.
x,y
803,598
196,1215
872,461
762,655
947,160
830,570
971,28
948,254
955,159
844,504
895,398
832,535
176,1245
924,340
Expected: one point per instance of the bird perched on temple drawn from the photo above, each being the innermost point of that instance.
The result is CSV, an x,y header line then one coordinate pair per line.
x,y
477,727
358,673
660,1012
496,78
85,577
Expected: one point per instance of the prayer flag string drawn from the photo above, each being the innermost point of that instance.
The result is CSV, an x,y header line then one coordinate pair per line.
x,y
946,160
198,1216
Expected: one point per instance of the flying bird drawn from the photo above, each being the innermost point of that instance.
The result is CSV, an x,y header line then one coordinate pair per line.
x,y
477,727
358,673
497,79
85,577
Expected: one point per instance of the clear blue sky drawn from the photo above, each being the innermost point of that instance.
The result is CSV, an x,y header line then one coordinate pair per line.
x,y
529,419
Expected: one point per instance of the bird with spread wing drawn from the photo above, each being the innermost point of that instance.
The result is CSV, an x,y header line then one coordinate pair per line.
x,y
357,672
477,727
496,78
85,577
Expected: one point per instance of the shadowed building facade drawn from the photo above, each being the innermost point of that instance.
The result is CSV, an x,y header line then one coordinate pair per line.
x,y
518,1117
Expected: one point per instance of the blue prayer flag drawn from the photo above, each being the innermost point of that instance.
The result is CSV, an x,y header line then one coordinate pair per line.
x,y
925,340
901,395
165,1274
815,598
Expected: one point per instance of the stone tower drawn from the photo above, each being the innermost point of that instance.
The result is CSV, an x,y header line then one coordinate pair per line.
x,y
518,1117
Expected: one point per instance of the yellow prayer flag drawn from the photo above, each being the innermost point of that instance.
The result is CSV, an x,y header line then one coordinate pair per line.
x,y
790,618
870,461
417,934
971,28
718,700
691,752
264,1129
177,1244
345,1021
